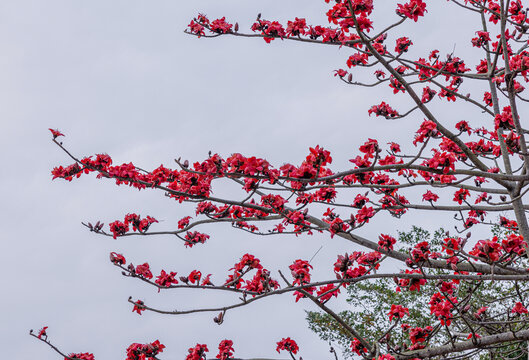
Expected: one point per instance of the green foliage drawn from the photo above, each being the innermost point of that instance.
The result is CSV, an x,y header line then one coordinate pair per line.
x,y
370,303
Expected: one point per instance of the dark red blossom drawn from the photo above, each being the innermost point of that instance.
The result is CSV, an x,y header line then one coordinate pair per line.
x,y
398,312
403,43
42,332
196,28
144,271
287,344
300,270
413,9
117,259
481,39
296,27
195,237
386,242
461,195
418,334
220,26
144,351
326,292
271,29
519,309
118,228
357,59
198,352
384,110
504,120
165,279
225,350
357,347
488,250
396,85
430,196
413,284
139,307
80,356
56,133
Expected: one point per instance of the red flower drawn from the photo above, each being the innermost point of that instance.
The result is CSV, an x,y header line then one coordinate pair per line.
x,y
165,279
42,332
225,350
144,351
357,347
514,244
461,195
117,259
489,250
194,237
504,120
419,334
340,72
482,39
364,214
450,245
194,276
220,26
139,306
386,242
56,133
430,196
330,291
403,44
427,129
182,223
412,10
144,271
300,271
81,356
383,110
411,284
481,311
519,309
198,352
397,311
118,228
396,85
357,59
287,344
196,28
296,27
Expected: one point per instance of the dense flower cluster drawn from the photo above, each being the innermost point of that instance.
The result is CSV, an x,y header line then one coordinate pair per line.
x,y
287,344
144,351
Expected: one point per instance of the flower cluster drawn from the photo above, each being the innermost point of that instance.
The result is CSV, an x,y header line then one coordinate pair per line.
x,y
144,351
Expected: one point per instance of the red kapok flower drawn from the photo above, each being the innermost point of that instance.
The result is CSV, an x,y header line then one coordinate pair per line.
x,y
56,133
81,356
519,309
42,332
287,344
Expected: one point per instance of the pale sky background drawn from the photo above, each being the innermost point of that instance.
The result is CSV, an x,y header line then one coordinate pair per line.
x,y
121,77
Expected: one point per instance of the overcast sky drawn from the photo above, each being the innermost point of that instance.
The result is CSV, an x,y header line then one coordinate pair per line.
x,y
121,77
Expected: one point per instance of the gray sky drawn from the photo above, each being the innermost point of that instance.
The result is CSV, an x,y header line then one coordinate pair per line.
x,y
121,77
